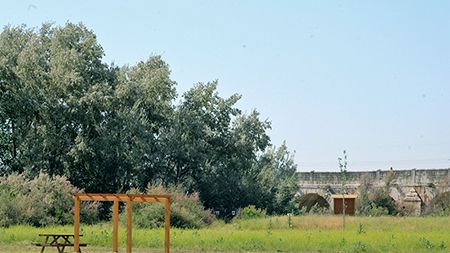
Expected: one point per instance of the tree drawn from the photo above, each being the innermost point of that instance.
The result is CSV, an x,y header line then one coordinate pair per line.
x,y
225,184
212,148
63,111
16,107
120,142
276,183
44,73
198,129
343,169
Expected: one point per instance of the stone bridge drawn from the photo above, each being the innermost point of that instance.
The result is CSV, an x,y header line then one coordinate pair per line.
x,y
410,189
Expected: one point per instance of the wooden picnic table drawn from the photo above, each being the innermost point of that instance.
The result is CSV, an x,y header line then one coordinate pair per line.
x,y
58,240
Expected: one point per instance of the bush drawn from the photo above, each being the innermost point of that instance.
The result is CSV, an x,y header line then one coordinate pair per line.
x,y
318,209
375,201
250,212
186,210
440,205
381,199
375,210
359,247
314,202
41,201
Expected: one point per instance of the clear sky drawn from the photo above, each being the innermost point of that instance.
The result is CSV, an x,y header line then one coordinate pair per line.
x,y
371,77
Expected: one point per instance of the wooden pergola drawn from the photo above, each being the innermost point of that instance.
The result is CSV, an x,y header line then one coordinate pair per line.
x,y
116,198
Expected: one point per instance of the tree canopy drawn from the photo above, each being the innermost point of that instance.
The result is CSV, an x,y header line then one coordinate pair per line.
x,y
64,111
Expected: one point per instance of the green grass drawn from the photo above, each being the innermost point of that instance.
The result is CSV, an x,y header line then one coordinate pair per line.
x,y
308,234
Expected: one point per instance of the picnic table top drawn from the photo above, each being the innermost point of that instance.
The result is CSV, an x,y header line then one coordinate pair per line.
x,y
57,234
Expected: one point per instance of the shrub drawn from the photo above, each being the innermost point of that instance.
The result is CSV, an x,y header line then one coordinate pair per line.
x,y
250,212
359,247
314,202
186,210
440,205
318,209
375,201
375,210
362,201
380,198
425,243
41,201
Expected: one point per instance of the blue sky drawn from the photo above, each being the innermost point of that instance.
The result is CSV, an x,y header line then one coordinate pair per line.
x,y
369,77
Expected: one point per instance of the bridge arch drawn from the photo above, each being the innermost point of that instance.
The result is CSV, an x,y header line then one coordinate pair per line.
x,y
309,200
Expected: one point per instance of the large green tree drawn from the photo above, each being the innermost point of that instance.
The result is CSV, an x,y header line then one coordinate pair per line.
x,y
16,101
64,111
276,183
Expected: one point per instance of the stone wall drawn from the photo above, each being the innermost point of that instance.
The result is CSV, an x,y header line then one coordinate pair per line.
x,y
412,189
402,177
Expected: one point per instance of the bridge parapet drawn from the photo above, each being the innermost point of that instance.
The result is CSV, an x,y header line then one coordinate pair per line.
x,y
426,184
400,177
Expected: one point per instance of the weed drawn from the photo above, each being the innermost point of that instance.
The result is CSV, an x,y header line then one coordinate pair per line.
x,y
271,234
392,241
343,242
425,243
359,247
290,225
250,212
442,245
361,229
269,227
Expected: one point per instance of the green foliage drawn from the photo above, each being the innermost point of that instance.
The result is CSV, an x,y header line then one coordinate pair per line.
x,y
361,229
440,205
376,201
359,247
275,182
375,210
363,203
290,223
250,212
312,202
442,245
319,209
213,149
425,243
41,201
381,201
342,161
310,234
186,210
63,111
74,115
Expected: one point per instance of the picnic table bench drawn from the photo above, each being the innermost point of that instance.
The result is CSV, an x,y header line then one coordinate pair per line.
x,y
60,241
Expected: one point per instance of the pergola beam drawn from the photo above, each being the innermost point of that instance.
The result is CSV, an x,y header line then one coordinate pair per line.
x,y
116,198
121,197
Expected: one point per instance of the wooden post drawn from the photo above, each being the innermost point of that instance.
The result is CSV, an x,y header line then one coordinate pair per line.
x,y
117,198
76,225
129,226
115,225
167,226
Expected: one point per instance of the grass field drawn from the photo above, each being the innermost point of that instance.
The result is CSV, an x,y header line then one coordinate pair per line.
x,y
276,234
